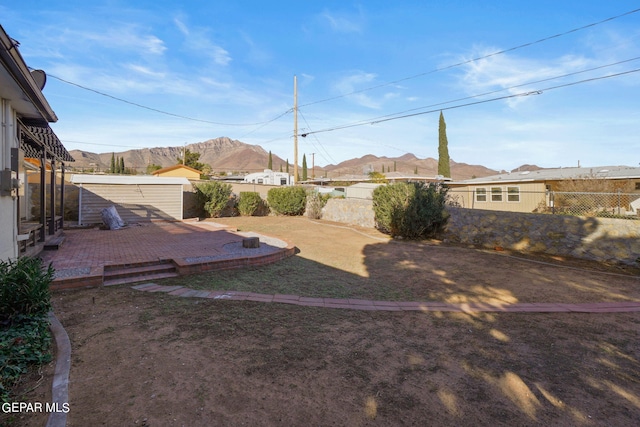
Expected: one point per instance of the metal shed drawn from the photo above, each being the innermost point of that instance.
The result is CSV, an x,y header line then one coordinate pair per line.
x,y
136,198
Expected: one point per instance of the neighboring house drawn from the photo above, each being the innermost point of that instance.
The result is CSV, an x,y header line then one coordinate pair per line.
x,y
137,198
529,191
391,177
179,171
269,177
31,202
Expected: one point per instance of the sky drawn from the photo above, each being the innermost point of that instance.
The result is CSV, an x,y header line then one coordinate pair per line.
x,y
551,83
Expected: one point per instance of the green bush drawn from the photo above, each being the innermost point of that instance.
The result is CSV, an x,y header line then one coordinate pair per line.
x,y
24,288
25,342
315,203
412,210
24,334
212,197
250,203
287,200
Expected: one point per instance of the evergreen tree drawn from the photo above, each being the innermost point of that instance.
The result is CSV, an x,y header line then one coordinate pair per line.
x,y
112,168
415,171
121,164
270,166
304,167
287,165
394,166
280,167
443,149
191,160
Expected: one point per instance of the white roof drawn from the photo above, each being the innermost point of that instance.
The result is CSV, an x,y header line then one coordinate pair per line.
x,y
127,179
556,174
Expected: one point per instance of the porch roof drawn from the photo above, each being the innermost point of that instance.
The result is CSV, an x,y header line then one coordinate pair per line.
x,y
34,138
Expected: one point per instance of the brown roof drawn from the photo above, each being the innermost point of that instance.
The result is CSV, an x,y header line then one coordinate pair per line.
x,y
174,167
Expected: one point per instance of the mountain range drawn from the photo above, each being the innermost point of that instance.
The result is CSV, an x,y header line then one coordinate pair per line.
x,y
227,155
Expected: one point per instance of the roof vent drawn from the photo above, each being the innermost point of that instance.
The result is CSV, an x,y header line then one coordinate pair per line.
x,y
525,173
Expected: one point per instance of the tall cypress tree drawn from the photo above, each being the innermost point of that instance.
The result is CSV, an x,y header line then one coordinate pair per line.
x,y
270,166
287,165
304,167
112,168
121,164
443,149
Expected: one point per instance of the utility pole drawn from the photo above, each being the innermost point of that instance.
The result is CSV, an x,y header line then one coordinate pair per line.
x,y
313,165
295,129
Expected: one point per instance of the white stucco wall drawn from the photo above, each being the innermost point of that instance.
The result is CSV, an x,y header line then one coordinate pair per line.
x,y
8,204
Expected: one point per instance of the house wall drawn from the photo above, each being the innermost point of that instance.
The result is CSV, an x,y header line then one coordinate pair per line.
x,y
8,203
512,197
134,202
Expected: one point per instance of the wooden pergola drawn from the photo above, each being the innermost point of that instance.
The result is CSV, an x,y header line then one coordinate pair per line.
x,y
40,143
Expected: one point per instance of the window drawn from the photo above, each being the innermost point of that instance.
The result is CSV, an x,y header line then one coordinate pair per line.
x,y
283,181
513,194
481,194
496,194
260,181
637,185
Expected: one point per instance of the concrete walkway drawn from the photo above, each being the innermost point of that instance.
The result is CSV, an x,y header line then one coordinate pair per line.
x,y
360,304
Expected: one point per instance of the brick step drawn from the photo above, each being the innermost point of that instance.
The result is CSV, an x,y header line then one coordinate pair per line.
x,y
54,244
134,279
130,273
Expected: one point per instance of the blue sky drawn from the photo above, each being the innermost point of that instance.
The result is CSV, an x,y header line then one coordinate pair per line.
x,y
227,68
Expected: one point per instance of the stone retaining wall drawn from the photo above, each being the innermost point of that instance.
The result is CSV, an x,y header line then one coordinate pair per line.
x,y
350,211
600,239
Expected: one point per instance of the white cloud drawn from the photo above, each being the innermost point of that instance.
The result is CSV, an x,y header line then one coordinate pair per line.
x,y
342,23
197,40
516,75
354,82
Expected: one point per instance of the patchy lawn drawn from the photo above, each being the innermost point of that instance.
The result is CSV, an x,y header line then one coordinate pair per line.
x,y
153,359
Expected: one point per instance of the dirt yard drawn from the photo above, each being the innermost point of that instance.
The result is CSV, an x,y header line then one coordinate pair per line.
x,y
151,359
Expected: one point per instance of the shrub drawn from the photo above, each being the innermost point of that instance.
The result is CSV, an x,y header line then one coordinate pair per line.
x,y
24,334
26,342
287,200
24,288
412,210
315,203
212,197
250,203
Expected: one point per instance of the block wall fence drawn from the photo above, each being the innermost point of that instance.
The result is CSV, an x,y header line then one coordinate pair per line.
x,y
598,239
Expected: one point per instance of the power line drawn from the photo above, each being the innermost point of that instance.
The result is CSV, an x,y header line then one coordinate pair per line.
x,y
458,64
503,89
533,92
135,104
318,141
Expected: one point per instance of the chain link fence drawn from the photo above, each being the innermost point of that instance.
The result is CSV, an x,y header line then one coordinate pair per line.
x,y
595,204
611,205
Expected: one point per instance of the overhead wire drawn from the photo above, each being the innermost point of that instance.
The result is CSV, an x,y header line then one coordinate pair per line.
x,y
458,64
329,159
522,94
156,110
503,89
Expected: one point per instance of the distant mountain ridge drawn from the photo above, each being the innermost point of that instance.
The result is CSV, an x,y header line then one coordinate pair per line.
x,y
228,155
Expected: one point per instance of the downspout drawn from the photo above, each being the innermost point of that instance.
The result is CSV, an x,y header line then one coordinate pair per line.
x,y
62,197
43,199
52,198
80,204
